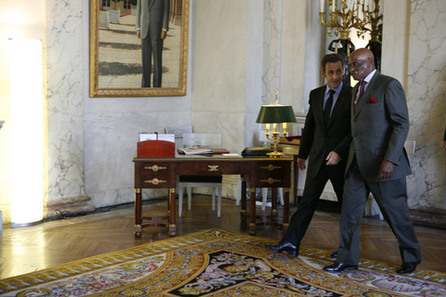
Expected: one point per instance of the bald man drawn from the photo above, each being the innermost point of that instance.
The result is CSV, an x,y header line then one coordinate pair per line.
x,y
377,162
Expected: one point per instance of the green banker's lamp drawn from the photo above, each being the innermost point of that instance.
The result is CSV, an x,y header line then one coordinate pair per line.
x,y
276,114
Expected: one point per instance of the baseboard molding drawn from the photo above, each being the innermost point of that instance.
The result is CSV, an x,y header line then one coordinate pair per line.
x,y
421,216
428,216
69,207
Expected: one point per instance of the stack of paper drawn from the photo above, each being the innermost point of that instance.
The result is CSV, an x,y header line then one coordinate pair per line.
x,y
195,150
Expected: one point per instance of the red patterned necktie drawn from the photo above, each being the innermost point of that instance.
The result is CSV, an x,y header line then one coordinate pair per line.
x,y
361,92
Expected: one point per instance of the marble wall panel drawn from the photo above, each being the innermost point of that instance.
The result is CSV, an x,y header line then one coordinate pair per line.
x,y
272,45
219,63
426,99
110,145
65,84
237,56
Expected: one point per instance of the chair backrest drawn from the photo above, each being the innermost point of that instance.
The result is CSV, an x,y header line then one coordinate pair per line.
x,y
179,131
213,140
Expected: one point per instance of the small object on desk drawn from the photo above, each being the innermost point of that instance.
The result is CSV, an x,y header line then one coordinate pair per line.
x,y
232,155
194,150
201,151
155,149
259,151
156,136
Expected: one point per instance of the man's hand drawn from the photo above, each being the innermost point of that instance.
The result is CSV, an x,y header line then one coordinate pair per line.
x,y
138,34
332,158
163,34
301,163
386,170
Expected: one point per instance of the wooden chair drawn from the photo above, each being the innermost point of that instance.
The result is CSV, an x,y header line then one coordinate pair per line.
x,y
194,181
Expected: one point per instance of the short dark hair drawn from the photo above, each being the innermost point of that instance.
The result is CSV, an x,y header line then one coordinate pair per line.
x,y
332,58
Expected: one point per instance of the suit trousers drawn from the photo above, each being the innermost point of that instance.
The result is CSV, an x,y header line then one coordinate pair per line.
x,y
391,196
314,186
151,48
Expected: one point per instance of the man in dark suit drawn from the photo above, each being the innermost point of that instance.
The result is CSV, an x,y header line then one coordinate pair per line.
x,y
152,24
377,163
325,141
444,138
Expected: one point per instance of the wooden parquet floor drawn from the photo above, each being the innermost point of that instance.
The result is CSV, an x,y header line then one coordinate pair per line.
x,y
24,250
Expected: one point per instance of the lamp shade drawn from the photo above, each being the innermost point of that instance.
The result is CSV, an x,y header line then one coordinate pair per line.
x,y
276,113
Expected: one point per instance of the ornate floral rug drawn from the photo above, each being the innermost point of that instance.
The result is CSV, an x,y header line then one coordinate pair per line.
x,y
218,263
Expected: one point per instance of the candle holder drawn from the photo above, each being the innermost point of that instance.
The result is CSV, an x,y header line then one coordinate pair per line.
x,y
342,16
375,17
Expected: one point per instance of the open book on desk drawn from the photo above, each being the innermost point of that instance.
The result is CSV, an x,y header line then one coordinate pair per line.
x,y
201,151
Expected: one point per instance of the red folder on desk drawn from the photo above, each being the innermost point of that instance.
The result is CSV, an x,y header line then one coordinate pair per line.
x,y
155,149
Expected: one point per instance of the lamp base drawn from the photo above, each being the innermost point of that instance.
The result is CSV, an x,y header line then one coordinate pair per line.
x,y
275,154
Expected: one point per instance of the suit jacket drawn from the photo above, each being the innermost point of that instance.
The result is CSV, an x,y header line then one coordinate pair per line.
x,y
152,19
317,141
379,128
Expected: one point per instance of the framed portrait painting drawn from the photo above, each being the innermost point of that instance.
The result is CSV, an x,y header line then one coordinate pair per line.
x,y
138,48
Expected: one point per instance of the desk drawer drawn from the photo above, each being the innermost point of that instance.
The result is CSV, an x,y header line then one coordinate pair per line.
x,y
273,174
153,175
217,167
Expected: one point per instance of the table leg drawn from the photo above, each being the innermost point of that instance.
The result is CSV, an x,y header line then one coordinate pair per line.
x,y
252,211
295,179
286,208
172,213
138,213
243,199
274,205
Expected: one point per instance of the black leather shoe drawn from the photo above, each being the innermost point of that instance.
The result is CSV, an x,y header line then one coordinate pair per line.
x,y
407,267
340,267
334,255
284,247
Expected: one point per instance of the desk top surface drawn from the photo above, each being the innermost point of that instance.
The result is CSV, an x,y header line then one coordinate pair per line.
x,y
185,158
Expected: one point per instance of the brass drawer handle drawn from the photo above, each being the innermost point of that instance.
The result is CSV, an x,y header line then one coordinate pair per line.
x,y
271,167
270,180
213,167
155,168
155,181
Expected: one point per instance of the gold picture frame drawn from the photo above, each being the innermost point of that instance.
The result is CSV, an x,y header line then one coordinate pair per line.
x,y
115,51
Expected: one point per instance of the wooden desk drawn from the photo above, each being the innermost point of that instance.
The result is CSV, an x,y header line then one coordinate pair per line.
x,y
162,173
292,149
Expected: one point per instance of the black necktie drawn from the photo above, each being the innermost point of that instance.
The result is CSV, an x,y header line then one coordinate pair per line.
x,y
328,106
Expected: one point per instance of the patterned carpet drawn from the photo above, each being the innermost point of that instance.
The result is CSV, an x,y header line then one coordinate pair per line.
x,y
218,263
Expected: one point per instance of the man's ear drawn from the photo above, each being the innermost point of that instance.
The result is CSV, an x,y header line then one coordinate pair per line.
x,y
323,73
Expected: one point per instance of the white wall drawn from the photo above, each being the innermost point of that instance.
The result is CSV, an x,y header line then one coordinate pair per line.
x,y
239,52
426,98
415,54
111,127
